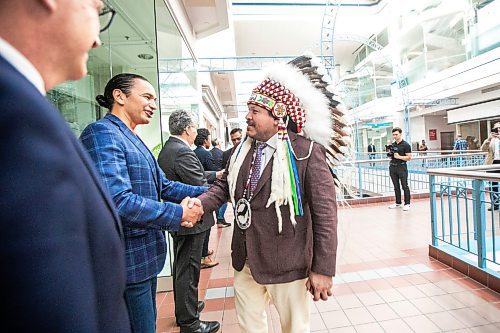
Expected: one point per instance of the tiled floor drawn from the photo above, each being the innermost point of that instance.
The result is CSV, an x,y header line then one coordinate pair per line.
x,y
386,282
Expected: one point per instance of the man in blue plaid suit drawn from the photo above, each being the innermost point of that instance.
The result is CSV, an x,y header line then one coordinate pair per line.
x,y
138,186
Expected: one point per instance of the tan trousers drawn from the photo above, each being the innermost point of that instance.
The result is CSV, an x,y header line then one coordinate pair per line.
x,y
251,298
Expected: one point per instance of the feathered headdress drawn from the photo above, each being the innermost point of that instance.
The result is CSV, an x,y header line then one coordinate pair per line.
x,y
300,95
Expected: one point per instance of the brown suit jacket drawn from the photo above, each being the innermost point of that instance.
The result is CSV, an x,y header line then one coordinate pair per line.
x,y
291,255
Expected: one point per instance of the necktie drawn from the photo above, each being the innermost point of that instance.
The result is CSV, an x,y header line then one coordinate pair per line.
x,y
257,164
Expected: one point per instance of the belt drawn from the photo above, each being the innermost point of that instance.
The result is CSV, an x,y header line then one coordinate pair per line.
x,y
396,164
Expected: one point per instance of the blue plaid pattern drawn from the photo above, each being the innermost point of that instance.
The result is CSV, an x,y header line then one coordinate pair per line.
x,y
137,184
460,144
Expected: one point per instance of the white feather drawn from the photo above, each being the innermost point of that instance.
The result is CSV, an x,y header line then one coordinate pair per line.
x,y
318,123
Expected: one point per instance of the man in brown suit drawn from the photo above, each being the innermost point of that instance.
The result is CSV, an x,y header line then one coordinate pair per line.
x,y
278,258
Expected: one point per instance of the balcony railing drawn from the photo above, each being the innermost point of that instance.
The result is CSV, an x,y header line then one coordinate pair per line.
x,y
461,223
370,177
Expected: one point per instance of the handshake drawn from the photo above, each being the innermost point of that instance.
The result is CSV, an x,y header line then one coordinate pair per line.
x,y
192,211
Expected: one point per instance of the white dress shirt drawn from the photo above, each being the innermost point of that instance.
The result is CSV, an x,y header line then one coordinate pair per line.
x,y
22,64
268,151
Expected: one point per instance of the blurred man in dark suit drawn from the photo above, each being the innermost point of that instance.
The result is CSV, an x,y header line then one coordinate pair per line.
x,y
217,154
61,243
202,142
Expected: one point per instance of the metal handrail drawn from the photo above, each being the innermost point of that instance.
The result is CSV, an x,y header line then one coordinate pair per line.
x,y
471,172
413,158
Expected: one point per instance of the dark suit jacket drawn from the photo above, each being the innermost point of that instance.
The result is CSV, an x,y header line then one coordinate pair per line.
x,y
61,242
225,157
180,164
371,148
206,158
217,155
290,255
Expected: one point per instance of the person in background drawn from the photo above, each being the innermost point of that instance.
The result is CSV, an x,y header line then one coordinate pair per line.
x,y
218,156
203,142
460,144
137,185
180,163
62,242
371,149
398,170
236,136
422,148
492,146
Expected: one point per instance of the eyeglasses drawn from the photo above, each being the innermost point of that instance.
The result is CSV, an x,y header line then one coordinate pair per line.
x,y
106,16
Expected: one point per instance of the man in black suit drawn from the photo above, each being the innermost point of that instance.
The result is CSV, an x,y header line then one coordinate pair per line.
x,y
371,149
217,154
62,247
180,164
202,142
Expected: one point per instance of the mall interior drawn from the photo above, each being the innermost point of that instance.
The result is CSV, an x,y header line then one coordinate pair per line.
x,y
430,67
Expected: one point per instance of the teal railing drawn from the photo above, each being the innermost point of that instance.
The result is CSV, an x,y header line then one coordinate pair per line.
x,y
463,221
370,177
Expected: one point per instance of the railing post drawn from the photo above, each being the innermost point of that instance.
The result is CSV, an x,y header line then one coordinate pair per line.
x,y
432,196
360,181
479,221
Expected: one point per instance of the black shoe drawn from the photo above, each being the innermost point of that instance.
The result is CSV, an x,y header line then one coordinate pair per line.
x,y
201,306
493,208
201,327
223,224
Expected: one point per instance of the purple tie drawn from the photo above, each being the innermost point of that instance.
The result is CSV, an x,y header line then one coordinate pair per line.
x,y
256,166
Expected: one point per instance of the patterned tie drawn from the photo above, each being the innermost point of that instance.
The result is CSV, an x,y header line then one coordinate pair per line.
x,y
256,166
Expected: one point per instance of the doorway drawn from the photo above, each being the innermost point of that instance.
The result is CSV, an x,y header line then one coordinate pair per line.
x,y
447,139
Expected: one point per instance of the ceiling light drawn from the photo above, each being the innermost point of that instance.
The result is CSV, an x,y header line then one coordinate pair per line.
x,y
145,56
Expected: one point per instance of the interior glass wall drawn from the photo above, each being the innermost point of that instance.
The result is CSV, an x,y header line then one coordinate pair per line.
x,y
179,88
483,27
129,45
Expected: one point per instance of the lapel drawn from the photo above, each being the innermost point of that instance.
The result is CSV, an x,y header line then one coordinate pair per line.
x,y
265,177
243,174
141,146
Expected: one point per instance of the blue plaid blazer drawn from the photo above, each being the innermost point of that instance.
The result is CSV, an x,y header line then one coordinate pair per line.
x,y
137,185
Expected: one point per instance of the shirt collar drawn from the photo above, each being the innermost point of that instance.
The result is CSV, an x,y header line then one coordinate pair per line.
x,y
180,138
272,142
22,65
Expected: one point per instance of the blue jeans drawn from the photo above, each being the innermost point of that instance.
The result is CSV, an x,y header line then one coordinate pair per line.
x,y
221,212
141,305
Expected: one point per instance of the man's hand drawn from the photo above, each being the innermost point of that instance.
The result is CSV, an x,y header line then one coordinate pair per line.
x,y
219,174
320,286
396,155
191,211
